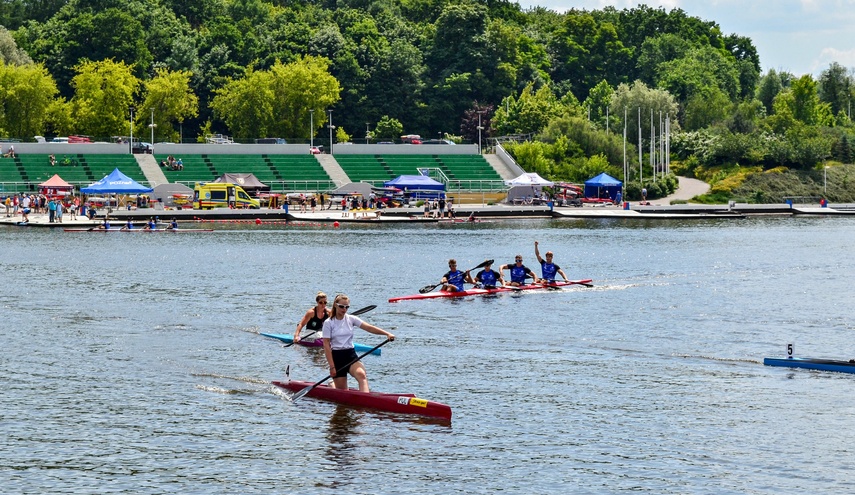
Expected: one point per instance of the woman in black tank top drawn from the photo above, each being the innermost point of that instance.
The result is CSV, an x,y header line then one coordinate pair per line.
x,y
314,318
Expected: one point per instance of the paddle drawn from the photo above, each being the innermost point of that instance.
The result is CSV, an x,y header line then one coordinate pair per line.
x,y
428,288
311,387
355,313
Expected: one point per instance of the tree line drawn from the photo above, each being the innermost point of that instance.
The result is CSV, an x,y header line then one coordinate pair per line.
x,y
254,68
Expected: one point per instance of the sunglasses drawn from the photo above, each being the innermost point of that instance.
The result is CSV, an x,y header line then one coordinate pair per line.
x,y
342,306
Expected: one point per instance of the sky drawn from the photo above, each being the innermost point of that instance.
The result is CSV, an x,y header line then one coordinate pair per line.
x,y
797,36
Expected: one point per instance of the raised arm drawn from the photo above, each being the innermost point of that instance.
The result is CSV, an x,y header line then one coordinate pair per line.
x,y
537,253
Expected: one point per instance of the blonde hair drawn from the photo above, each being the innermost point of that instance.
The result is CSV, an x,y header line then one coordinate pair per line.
x,y
320,295
338,298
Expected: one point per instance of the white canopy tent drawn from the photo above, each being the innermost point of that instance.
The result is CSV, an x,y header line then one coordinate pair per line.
x,y
526,187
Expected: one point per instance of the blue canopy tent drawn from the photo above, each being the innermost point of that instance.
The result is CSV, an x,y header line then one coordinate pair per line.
x,y
417,186
116,183
601,186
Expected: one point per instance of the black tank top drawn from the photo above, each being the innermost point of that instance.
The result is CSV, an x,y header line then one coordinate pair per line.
x,y
316,323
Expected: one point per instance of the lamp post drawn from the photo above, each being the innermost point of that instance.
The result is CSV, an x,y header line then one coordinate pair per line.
x,y
152,126
331,129
311,129
825,181
367,133
479,132
131,145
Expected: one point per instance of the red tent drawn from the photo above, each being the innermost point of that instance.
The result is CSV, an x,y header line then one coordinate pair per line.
x,y
55,186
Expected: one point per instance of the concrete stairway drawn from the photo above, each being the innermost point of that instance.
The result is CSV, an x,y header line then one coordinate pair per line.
x,y
333,169
151,169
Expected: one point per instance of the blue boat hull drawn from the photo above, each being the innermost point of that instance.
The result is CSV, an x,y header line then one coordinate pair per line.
x,y
812,364
288,338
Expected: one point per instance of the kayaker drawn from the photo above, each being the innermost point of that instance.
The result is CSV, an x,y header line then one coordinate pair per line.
x,y
489,278
105,225
519,272
547,268
454,279
128,226
314,318
173,225
338,344
151,225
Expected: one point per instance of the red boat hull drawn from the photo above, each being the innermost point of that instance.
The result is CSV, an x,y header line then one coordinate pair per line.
x,y
395,403
482,292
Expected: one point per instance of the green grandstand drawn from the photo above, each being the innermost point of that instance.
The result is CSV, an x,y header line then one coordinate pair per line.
x,y
377,168
77,169
275,169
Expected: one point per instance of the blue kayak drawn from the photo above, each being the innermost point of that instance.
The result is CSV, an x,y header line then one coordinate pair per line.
x,y
813,364
289,338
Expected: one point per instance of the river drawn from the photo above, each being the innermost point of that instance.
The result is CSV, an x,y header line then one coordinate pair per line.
x,y
132,362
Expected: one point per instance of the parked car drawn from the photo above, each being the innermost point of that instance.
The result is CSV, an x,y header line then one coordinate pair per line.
x,y
270,141
140,148
315,150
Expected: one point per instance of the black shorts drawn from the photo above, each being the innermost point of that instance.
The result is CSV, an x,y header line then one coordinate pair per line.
x,y
343,359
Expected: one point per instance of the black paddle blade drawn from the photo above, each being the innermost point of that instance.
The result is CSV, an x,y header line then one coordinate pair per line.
x,y
428,288
483,264
363,310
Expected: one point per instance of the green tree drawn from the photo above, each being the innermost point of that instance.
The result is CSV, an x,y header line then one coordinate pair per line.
x,y
9,51
530,113
636,102
169,95
805,99
700,69
26,93
597,103
387,129
586,52
835,87
655,51
769,87
245,105
103,93
300,86
706,107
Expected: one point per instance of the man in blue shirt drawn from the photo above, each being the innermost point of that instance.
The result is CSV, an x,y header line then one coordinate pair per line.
x,y
489,278
453,280
519,272
548,268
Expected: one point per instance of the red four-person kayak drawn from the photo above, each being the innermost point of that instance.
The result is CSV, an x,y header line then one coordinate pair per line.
x,y
482,292
394,403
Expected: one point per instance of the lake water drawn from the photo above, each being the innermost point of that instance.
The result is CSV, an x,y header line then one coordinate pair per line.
x,y
133,364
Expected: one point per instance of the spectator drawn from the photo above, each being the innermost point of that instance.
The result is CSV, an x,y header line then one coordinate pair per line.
x,y
52,160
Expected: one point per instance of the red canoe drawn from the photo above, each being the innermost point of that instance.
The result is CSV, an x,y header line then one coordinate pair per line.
x,y
394,403
482,292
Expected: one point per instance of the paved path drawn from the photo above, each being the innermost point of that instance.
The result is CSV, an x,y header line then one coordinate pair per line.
x,y
688,189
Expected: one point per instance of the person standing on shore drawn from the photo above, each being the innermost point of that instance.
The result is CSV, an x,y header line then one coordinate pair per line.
x,y
338,344
547,268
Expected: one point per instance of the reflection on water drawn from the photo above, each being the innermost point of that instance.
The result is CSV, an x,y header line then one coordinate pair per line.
x,y
343,425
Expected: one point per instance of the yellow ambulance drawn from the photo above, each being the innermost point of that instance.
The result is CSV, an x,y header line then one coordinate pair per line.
x,y
208,195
